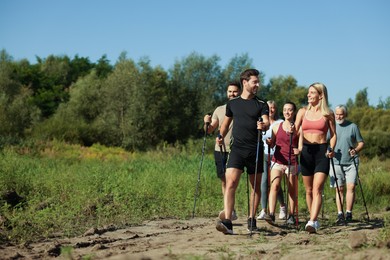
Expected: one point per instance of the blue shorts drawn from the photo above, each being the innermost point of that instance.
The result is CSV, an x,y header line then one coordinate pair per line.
x,y
313,159
242,158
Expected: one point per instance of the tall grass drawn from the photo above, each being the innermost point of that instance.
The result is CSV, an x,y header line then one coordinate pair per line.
x,y
67,189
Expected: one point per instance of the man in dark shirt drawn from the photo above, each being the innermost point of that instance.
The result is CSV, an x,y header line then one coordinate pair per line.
x,y
246,110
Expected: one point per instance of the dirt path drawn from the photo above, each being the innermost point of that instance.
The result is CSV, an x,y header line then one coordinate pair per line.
x,y
198,239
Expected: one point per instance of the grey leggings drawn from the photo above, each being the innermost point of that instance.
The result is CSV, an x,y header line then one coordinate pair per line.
x,y
264,187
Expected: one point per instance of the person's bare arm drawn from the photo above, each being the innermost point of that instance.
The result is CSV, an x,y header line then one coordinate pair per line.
x,y
211,123
224,129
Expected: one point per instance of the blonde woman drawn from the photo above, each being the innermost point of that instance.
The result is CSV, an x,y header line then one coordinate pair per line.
x,y
314,121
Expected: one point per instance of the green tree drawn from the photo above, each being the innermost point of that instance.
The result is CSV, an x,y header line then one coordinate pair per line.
x,y
232,72
75,121
349,104
79,67
285,88
149,110
361,99
17,113
103,67
119,88
384,104
236,66
9,85
193,82
52,88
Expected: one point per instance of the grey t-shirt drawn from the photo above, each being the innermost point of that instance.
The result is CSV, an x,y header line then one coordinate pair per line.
x,y
348,135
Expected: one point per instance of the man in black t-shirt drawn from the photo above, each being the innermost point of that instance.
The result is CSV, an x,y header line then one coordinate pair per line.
x,y
246,111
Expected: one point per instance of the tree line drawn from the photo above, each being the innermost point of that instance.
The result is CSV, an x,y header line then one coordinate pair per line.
x,y
137,106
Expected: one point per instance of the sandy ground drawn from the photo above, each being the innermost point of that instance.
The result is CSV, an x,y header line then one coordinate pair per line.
x,y
197,238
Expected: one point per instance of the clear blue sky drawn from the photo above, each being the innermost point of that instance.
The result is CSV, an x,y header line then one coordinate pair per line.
x,y
343,43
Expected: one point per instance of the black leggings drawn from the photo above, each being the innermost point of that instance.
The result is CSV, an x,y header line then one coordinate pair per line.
x,y
313,159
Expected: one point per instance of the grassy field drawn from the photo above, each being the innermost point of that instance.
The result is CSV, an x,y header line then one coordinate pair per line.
x,y
63,190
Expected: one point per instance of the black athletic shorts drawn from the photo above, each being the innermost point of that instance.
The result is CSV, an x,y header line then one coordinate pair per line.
x,y
313,159
220,163
243,158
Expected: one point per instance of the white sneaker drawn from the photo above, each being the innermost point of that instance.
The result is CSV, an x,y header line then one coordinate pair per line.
x,y
311,226
282,213
261,215
316,225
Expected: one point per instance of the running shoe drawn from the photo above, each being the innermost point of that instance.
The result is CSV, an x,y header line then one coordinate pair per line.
x,y
340,219
225,226
221,215
270,218
291,220
262,214
348,217
252,224
311,226
316,225
282,212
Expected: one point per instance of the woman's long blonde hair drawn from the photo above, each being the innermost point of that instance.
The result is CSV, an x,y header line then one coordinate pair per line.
x,y
324,106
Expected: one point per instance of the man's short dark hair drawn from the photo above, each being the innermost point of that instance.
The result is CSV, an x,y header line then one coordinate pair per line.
x,y
235,83
246,75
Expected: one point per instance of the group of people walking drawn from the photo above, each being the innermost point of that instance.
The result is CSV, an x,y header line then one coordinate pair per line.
x,y
305,141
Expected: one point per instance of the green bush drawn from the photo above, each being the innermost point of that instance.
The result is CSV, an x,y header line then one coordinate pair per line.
x,y
376,143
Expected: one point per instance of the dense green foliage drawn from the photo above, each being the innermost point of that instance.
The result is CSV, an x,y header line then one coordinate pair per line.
x,y
63,190
136,106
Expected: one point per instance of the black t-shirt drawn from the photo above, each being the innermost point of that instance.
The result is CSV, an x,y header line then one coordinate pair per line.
x,y
245,113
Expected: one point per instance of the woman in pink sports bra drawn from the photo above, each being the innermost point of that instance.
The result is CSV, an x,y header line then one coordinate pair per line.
x,y
314,122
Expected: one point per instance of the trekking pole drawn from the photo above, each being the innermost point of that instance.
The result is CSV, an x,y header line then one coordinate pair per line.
x,y
360,184
247,191
259,133
222,154
322,206
337,186
289,171
323,202
268,175
200,169
296,192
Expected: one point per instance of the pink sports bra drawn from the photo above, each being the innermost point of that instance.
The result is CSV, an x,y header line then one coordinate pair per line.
x,y
318,126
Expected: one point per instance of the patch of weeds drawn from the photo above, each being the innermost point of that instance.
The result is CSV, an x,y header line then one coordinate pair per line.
x,y
285,248
170,254
229,256
66,252
223,248
314,239
257,253
226,253
262,239
385,231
